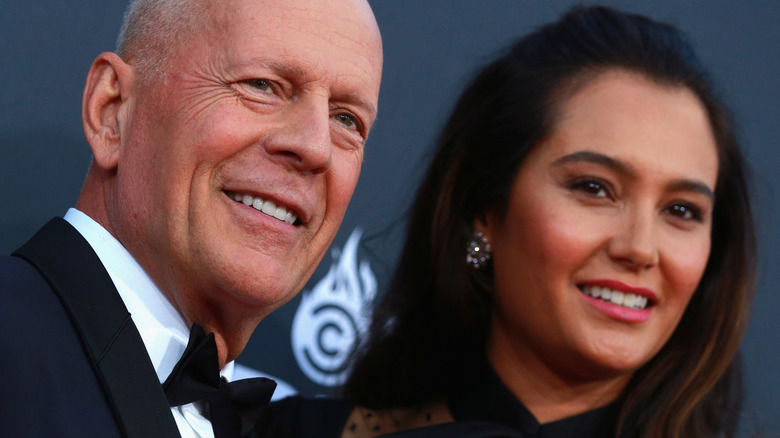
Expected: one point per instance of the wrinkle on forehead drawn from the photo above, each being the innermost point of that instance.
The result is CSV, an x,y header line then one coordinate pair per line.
x,y
354,12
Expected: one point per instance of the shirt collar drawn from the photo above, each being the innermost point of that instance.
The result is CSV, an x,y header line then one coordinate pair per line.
x,y
163,330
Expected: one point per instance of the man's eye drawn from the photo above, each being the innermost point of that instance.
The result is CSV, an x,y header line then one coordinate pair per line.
x,y
260,84
347,120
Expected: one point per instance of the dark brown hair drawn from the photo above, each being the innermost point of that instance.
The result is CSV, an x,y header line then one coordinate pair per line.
x,y
436,311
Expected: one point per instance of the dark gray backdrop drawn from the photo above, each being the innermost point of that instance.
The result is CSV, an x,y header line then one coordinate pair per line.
x,y
431,47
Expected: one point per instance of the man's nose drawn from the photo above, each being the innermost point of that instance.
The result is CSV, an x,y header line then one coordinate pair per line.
x,y
634,243
304,139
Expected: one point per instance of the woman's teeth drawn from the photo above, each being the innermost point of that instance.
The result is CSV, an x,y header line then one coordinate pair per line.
x,y
267,207
632,301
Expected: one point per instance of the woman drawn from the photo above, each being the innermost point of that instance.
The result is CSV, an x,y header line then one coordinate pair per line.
x,y
580,256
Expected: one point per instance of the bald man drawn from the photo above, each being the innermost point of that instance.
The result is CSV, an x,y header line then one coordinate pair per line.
x,y
227,140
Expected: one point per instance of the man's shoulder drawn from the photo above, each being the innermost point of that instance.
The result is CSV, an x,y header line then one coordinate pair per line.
x,y
40,343
15,271
51,386
67,339
22,286
49,371
33,315
29,304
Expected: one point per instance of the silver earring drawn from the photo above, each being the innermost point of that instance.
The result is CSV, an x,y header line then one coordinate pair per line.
x,y
478,251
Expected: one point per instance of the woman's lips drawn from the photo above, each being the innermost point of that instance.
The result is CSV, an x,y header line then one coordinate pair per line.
x,y
619,300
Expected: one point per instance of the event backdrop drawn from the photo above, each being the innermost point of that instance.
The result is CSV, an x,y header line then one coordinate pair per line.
x,y
431,49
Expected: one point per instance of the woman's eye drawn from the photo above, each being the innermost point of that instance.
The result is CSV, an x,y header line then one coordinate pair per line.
x,y
686,212
594,188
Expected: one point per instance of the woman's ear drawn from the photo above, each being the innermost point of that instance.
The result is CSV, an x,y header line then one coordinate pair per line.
x,y
482,223
106,95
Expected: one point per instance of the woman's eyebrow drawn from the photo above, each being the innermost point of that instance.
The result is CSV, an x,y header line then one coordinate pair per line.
x,y
596,158
687,185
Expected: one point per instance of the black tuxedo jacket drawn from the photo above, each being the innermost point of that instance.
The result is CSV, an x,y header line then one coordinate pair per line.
x,y
72,362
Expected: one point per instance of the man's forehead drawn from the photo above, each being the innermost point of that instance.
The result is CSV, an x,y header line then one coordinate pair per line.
x,y
270,32
346,23
357,11
295,40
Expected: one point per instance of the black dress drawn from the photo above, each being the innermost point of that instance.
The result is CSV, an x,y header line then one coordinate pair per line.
x,y
483,407
489,400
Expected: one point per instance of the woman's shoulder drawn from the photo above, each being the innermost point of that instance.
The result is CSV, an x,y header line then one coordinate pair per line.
x,y
297,416
367,423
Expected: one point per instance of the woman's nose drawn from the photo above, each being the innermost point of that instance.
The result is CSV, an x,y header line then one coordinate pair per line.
x,y
634,243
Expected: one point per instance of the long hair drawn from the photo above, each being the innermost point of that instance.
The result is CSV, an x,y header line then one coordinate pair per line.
x,y
433,320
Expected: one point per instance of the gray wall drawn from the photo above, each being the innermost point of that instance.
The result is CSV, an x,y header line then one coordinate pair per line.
x,y
431,47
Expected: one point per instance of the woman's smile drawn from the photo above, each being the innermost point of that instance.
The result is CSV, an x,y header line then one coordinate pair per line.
x,y
619,300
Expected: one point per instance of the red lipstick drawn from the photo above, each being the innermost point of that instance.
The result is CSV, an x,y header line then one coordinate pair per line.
x,y
617,311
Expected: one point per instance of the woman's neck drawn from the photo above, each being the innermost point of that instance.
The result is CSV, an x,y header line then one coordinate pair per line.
x,y
547,392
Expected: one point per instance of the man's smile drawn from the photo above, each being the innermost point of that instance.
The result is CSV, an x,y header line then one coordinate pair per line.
x,y
266,206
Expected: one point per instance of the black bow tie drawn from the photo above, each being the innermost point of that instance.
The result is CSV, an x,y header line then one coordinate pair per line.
x,y
234,407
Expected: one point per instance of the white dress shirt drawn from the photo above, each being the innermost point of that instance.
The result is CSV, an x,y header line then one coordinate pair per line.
x,y
164,331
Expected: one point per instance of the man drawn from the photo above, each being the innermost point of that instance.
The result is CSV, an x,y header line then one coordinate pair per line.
x,y
227,140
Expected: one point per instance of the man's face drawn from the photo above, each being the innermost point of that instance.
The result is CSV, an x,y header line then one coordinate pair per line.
x,y
269,104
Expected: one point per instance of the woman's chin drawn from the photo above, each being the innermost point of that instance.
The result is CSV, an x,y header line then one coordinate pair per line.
x,y
616,367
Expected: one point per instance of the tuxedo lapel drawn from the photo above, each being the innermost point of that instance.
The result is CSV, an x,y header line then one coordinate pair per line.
x,y
101,319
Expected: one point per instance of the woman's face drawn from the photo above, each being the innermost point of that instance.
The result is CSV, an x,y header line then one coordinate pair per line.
x,y
607,232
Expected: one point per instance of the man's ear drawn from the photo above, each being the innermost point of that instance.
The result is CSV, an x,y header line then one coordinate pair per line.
x,y
103,105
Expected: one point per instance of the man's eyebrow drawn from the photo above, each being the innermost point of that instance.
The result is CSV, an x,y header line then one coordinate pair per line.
x,y
595,158
369,107
297,72
679,185
281,68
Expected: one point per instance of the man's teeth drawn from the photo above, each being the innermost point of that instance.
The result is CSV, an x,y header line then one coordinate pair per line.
x,y
632,301
267,207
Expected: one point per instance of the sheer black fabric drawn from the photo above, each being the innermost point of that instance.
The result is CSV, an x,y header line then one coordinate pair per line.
x,y
482,408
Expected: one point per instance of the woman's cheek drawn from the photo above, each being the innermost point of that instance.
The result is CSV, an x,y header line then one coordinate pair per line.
x,y
683,261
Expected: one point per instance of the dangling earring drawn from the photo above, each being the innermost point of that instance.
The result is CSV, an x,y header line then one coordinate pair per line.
x,y
478,251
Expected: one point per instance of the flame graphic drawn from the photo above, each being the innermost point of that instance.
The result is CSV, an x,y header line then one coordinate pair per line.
x,y
333,315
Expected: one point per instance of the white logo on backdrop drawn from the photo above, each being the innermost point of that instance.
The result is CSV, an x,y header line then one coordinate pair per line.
x,y
333,315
